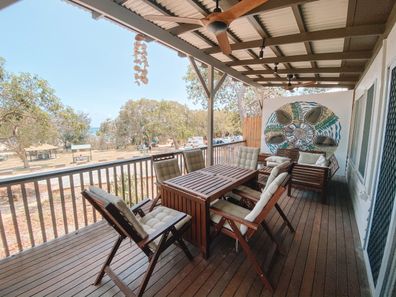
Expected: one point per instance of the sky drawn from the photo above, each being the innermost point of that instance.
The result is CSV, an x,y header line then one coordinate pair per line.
x,y
88,62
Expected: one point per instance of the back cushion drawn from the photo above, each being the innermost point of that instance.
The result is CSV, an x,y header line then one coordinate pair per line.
x,y
308,158
194,160
264,198
166,169
247,157
275,172
107,198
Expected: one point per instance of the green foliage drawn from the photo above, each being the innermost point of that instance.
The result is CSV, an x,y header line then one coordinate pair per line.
x,y
233,96
31,114
27,105
73,126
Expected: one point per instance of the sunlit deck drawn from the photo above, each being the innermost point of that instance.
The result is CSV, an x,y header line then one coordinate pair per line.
x,y
323,258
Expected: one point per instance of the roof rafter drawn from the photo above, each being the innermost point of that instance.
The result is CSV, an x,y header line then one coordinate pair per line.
x,y
364,30
352,79
348,86
355,69
354,55
302,27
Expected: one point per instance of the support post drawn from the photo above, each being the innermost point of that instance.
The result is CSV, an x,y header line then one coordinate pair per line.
x,y
211,88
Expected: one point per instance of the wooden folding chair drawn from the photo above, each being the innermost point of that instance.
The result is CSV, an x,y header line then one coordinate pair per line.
x,y
165,167
241,223
152,232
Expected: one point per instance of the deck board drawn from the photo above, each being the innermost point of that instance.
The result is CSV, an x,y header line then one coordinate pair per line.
x,y
322,258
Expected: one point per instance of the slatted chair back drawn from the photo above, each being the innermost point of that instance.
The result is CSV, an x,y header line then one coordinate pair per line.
x,y
292,153
193,160
247,157
333,165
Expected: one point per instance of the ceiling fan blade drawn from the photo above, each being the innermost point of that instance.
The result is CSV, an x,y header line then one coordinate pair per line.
x,y
240,9
224,43
165,18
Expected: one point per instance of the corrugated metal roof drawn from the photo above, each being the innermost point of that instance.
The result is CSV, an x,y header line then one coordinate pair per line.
x,y
293,49
325,14
280,22
328,45
317,15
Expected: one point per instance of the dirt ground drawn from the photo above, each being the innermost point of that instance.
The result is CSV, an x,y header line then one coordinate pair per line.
x,y
14,166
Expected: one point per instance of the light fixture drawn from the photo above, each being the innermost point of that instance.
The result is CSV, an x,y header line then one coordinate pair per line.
x,y
261,54
276,67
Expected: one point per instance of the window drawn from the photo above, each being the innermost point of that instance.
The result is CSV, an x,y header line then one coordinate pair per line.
x,y
356,125
366,130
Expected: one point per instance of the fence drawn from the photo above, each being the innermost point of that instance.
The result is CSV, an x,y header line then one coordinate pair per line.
x,y
252,131
36,208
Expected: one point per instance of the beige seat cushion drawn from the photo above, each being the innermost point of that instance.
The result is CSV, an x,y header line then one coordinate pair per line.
x,y
159,216
308,158
276,160
230,208
166,169
247,157
194,160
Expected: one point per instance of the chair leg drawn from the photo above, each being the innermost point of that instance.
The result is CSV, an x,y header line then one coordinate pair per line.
x,y
182,244
289,190
271,235
249,254
108,260
284,217
152,263
154,203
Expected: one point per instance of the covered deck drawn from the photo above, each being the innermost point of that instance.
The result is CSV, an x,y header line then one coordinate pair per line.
x,y
322,258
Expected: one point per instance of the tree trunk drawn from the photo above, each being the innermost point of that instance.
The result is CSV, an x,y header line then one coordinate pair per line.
x,y
175,143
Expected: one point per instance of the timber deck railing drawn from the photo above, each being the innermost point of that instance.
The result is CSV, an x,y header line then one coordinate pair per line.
x,y
36,208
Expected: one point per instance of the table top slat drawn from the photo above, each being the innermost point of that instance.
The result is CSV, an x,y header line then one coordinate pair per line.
x,y
209,182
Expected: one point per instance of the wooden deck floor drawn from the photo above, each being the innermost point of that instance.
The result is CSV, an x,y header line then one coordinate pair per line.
x,y
322,258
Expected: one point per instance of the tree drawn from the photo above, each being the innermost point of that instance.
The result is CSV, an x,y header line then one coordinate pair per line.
x,y
233,95
73,126
27,106
107,134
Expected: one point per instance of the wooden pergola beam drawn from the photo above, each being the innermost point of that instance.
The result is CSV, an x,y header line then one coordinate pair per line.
x,y
354,69
5,3
325,86
352,79
354,55
364,30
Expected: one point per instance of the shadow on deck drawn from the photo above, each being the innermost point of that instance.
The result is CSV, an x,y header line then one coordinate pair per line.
x,y
323,258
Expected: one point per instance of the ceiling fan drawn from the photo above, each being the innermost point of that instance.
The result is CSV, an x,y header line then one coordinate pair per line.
x,y
217,22
290,87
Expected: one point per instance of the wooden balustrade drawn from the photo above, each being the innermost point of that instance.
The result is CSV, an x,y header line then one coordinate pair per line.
x,y
36,208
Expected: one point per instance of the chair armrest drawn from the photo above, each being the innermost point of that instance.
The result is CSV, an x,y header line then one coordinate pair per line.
x,y
251,195
139,205
236,219
169,225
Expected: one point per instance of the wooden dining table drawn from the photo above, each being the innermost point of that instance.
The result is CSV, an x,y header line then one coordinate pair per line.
x,y
192,193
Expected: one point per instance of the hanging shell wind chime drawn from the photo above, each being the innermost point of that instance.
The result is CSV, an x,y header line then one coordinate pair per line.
x,y
140,60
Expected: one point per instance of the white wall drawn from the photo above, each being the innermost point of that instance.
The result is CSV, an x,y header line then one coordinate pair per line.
x,y
338,102
363,189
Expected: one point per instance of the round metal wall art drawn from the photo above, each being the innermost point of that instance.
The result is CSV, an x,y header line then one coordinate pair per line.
x,y
303,125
